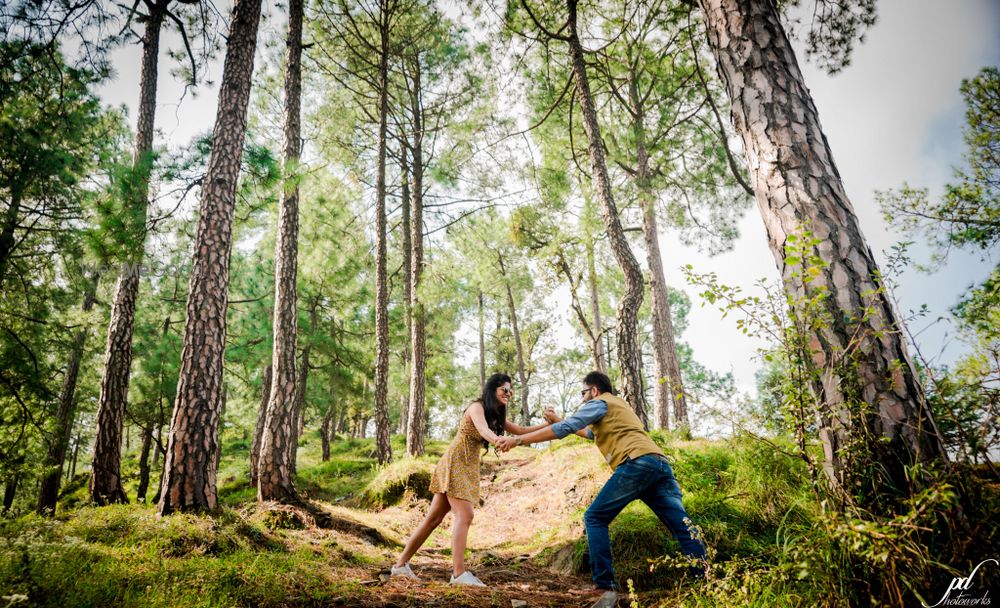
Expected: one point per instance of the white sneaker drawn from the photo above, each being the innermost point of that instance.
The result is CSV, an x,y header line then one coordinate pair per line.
x,y
467,578
403,570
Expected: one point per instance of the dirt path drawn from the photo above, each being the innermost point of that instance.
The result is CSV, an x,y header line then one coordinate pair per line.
x,y
509,583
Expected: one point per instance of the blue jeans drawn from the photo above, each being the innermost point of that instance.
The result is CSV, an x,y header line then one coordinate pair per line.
x,y
650,479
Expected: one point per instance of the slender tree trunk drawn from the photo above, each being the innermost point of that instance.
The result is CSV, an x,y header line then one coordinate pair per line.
x,y
482,342
628,307
339,427
147,440
274,469
189,482
383,445
418,346
325,430
597,349
258,432
56,451
159,444
9,492
76,453
105,476
874,422
667,388
407,238
522,376
10,223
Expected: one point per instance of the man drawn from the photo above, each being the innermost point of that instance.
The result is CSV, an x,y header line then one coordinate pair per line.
x,y
641,471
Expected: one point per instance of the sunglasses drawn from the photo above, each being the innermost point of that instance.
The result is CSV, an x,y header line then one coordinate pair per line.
x,y
586,392
506,391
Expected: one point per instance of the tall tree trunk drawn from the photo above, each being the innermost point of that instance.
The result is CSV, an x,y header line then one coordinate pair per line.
x,y
189,482
522,376
874,422
482,342
10,223
147,440
339,427
325,430
596,348
407,238
274,469
418,344
667,388
9,492
258,432
626,328
105,476
56,451
382,443
76,453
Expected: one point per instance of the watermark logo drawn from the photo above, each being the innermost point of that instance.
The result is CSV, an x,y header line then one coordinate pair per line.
x,y
965,595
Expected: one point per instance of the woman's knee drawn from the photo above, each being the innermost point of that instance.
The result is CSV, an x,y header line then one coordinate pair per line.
x,y
464,516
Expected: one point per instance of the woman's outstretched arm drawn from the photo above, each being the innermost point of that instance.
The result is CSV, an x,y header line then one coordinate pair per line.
x,y
479,419
517,429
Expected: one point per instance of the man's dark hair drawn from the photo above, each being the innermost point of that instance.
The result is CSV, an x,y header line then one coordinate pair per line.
x,y
599,380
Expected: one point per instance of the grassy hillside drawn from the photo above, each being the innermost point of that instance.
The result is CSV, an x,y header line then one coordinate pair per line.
x,y
768,543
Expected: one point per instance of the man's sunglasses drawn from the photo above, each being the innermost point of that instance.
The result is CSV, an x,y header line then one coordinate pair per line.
x,y
586,392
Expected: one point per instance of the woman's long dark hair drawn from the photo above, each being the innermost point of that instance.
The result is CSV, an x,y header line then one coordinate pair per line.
x,y
496,412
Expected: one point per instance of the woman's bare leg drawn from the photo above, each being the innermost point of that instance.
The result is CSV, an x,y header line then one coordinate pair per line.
x,y
462,510
439,508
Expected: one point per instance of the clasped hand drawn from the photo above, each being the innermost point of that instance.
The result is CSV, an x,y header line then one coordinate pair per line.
x,y
505,443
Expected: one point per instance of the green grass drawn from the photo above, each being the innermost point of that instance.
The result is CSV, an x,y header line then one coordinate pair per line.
x,y
769,544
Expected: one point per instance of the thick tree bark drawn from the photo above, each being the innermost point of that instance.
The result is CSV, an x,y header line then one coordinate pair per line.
x,y
258,432
300,402
189,482
522,376
56,451
667,387
626,327
874,422
147,440
275,468
407,238
382,443
418,343
222,419
105,477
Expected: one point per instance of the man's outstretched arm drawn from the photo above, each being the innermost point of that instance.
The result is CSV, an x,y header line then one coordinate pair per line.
x,y
591,412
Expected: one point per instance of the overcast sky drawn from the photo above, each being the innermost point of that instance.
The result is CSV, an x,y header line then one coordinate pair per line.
x,y
894,115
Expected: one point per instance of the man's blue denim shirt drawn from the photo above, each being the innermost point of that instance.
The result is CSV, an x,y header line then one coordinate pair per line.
x,y
589,413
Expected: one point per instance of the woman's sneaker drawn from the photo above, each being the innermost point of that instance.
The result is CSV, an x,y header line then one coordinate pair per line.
x,y
403,570
467,578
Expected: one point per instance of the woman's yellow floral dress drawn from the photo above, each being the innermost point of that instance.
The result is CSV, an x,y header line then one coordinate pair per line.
x,y
457,473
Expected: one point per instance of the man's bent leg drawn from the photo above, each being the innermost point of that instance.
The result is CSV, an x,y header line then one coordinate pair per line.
x,y
625,485
664,498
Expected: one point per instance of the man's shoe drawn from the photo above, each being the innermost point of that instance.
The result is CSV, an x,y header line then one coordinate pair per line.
x,y
467,578
403,570
608,600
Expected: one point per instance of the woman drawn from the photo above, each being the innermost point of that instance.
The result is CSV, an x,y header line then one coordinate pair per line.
x,y
455,482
